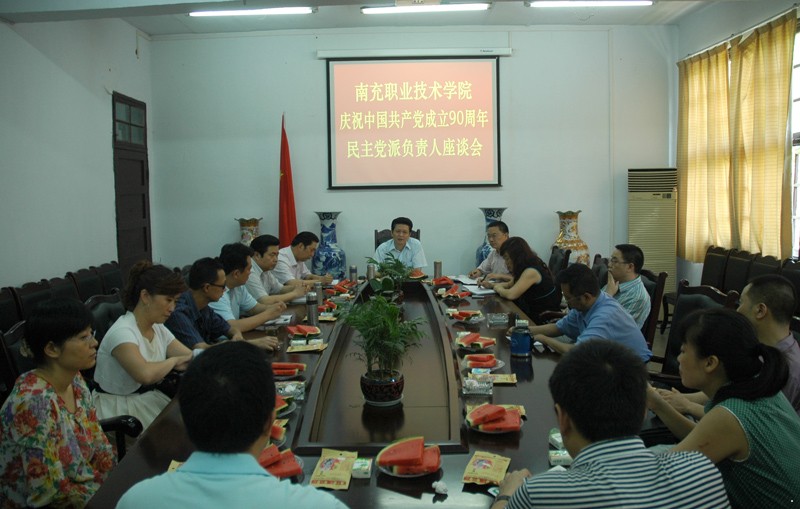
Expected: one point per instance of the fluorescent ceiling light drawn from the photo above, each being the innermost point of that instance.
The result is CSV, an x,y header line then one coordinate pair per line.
x,y
589,3
256,12
406,9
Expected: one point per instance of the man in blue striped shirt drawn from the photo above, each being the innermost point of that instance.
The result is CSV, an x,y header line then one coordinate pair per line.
x,y
600,393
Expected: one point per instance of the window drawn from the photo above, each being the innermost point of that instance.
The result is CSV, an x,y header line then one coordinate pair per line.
x,y
130,126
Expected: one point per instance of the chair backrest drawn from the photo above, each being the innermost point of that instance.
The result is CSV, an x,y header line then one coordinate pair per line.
x,y
737,271
63,288
110,276
185,273
600,269
692,298
12,343
764,265
559,259
382,236
791,271
105,309
714,266
655,287
30,294
88,282
9,311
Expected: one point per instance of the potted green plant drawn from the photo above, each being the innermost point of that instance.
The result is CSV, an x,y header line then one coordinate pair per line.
x,y
392,273
384,340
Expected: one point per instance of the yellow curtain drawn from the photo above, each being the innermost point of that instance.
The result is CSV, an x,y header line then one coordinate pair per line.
x,y
704,193
761,73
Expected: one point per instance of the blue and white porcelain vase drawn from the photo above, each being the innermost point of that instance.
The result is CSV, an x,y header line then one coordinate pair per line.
x,y
329,258
490,214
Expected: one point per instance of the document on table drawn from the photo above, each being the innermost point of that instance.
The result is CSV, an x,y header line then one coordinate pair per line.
x,y
466,280
478,290
281,320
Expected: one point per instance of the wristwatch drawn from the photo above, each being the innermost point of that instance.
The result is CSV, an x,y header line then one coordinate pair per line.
x,y
501,498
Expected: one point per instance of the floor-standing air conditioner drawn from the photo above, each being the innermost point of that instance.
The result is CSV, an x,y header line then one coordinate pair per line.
x,y
652,218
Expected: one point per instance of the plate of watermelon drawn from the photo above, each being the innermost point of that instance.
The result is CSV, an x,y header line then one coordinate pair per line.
x,y
482,360
287,410
494,420
409,457
473,342
417,274
281,464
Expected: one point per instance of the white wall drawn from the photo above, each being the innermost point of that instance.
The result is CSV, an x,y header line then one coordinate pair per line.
x,y
579,105
57,187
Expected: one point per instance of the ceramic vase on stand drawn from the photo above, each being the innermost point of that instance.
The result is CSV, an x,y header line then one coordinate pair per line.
x,y
489,214
568,237
249,229
329,258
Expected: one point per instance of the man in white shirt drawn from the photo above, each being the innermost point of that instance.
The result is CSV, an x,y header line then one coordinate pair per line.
x,y
402,246
236,305
494,266
262,283
291,267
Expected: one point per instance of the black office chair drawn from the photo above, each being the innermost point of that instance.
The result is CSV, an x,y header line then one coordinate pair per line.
x,y
105,309
737,271
713,271
110,276
63,288
791,271
600,269
655,287
29,295
18,363
88,282
382,236
9,311
764,265
689,298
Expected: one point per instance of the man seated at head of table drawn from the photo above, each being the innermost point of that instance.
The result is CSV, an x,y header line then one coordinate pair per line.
x,y
236,305
262,283
494,266
194,323
291,268
625,282
230,383
768,302
593,314
402,246
599,389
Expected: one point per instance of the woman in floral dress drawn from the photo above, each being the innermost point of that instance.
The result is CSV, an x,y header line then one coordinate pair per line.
x,y
52,449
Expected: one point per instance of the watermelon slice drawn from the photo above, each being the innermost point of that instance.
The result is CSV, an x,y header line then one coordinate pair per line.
x,y
407,451
481,343
469,340
510,421
464,294
285,372
269,456
431,461
453,290
416,274
280,403
341,289
444,280
286,466
484,413
302,330
277,432
300,366
482,364
482,357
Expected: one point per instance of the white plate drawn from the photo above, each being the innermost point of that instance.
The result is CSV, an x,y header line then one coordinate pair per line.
x,y
474,428
497,366
288,410
475,320
388,471
278,443
472,349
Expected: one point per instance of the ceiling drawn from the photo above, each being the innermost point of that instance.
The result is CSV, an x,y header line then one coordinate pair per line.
x,y
169,17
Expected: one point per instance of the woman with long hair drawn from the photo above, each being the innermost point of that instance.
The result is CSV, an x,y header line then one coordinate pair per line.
x,y
750,429
138,351
52,450
531,288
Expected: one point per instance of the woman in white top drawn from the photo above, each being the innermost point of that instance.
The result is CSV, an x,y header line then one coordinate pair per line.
x,y
138,351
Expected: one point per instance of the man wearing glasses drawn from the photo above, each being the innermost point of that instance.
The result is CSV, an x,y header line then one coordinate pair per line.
x,y
193,322
494,267
625,282
592,315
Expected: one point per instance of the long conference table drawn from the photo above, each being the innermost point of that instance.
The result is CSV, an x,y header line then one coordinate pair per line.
x,y
334,414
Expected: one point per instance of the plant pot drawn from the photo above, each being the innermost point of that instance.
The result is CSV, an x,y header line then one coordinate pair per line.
x,y
382,392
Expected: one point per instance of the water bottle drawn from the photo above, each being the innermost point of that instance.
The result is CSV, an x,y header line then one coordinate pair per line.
x,y
521,340
437,269
311,309
318,292
353,273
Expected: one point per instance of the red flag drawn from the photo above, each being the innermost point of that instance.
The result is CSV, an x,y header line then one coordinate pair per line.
x,y
287,219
